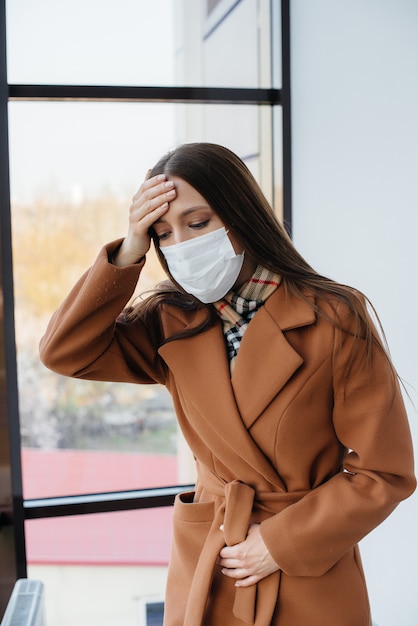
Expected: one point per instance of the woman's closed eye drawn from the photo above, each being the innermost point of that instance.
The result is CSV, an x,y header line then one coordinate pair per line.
x,y
162,236
199,225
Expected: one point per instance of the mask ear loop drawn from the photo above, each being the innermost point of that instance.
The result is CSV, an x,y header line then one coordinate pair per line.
x,y
236,253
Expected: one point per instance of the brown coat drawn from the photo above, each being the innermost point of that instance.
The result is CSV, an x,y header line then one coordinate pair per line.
x,y
318,458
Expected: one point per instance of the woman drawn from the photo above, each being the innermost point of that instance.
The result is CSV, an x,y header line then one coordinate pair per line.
x,y
281,386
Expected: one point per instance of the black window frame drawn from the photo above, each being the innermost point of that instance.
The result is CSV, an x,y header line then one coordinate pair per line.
x,y
14,509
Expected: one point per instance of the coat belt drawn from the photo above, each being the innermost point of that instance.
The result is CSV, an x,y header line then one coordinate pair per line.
x,y
253,605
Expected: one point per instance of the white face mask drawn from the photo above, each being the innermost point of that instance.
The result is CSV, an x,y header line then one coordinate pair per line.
x,y
205,266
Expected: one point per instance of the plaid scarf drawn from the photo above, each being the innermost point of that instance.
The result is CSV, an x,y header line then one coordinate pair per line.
x,y
237,309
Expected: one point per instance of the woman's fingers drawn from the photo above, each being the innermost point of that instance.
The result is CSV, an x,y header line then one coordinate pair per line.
x,y
149,204
151,201
248,561
153,188
153,194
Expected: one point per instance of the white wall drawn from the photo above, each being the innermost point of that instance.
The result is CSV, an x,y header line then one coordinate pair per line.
x,y
355,190
86,595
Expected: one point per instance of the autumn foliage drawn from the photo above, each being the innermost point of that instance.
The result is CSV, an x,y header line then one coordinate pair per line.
x,y
53,244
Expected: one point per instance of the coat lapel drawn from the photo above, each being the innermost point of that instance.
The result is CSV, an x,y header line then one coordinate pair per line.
x,y
266,361
224,409
200,370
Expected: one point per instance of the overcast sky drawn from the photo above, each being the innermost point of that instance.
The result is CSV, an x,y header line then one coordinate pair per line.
x,y
72,149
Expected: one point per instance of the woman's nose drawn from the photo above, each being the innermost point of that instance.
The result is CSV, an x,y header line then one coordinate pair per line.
x,y
179,235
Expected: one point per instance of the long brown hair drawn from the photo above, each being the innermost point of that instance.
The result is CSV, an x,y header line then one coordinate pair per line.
x,y
228,186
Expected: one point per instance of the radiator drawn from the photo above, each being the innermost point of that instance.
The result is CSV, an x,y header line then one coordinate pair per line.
x,y
26,604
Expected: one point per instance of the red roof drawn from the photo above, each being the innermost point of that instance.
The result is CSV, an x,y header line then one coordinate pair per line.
x,y
118,538
68,472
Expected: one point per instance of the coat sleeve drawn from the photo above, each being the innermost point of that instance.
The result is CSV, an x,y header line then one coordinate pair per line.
x,y
87,337
370,420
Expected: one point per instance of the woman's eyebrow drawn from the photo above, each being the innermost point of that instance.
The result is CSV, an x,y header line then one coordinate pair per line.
x,y
184,213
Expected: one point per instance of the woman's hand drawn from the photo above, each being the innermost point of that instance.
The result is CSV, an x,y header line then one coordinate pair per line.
x,y
148,205
248,561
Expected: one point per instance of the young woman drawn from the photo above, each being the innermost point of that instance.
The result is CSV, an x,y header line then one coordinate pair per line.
x,y
281,385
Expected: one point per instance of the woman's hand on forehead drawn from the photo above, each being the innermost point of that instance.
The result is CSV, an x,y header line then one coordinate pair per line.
x,y
149,204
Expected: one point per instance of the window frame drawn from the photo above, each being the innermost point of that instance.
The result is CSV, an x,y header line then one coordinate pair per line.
x,y
14,509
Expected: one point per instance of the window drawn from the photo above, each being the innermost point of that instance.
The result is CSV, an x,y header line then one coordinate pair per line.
x,y
92,96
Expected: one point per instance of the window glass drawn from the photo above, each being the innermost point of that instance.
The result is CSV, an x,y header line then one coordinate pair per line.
x,y
228,46
74,170
107,568
95,42
275,20
277,136
137,42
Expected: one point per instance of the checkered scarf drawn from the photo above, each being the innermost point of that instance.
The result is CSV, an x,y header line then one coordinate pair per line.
x,y
237,309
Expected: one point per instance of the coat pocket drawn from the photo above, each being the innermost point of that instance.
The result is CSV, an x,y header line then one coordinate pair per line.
x,y
191,524
187,510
